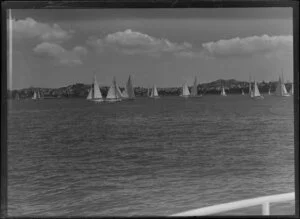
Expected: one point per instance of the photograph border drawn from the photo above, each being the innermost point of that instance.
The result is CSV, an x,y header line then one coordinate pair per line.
x,y
146,4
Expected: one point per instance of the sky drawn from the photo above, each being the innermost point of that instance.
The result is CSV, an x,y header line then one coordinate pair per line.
x,y
53,48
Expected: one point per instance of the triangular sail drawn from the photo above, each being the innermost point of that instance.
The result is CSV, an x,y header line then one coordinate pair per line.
x,y
281,89
284,91
129,88
194,88
124,93
97,93
185,90
34,96
114,91
223,93
256,92
154,92
90,95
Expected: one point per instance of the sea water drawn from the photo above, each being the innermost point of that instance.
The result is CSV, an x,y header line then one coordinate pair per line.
x,y
72,157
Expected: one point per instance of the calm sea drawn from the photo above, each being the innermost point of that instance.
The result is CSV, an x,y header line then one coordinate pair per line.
x,y
71,157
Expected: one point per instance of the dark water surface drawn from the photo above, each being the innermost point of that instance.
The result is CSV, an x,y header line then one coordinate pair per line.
x,y
71,157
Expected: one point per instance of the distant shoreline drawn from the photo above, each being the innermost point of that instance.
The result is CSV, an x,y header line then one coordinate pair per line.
x,y
81,90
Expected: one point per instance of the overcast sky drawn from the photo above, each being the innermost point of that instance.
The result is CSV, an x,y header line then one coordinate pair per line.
x,y
59,47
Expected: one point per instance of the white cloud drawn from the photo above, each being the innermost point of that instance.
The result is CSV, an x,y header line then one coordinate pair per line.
x,y
29,28
64,56
249,45
132,42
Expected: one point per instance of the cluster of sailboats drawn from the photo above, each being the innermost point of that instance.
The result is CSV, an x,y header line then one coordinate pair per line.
x,y
114,93
37,95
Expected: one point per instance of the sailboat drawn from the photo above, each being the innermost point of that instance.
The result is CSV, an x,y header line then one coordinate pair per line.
x,y
154,93
281,89
114,94
194,91
128,92
223,93
185,90
95,93
36,95
256,94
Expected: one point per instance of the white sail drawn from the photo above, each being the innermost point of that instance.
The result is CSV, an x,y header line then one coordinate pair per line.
x,y
284,91
223,93
97,93
185,90
154,92
194,88
94,92
114,92
129,88
34,96
90,95
281,89
256,92
124,93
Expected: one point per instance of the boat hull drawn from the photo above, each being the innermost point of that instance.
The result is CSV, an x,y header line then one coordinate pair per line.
x,y
258,98
185,96
96,100
284,95
112,100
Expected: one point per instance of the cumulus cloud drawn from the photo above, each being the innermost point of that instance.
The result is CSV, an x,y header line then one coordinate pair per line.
x,y
249,45
30,28
132,42
59,53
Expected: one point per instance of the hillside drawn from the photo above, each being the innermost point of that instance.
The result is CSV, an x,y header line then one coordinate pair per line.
x,y
80,90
